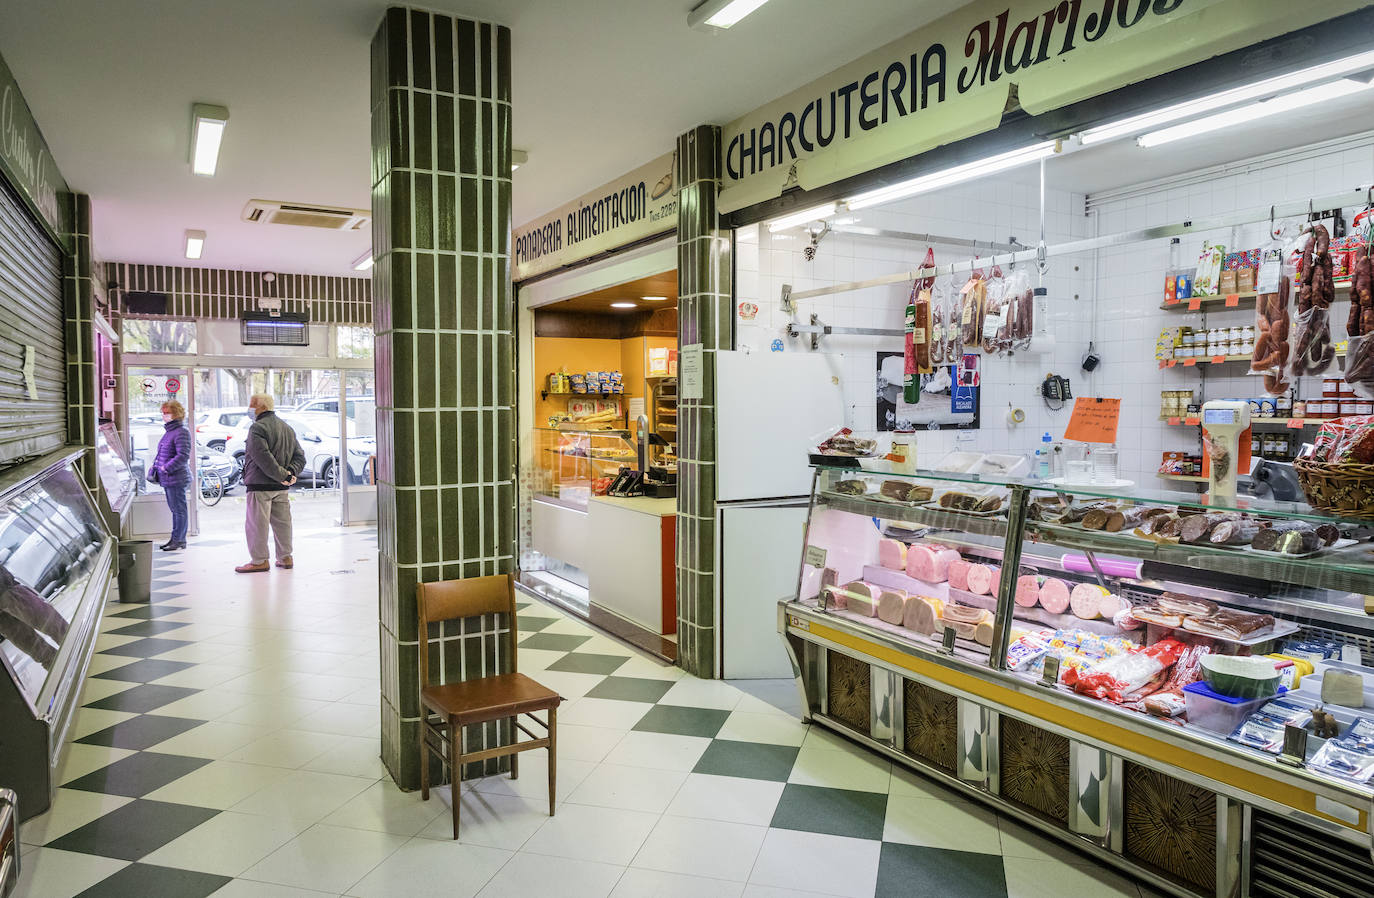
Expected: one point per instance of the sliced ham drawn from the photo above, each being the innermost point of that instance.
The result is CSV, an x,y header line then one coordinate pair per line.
x,y
1086,601
892,554
922,614
861,598
1054,595
958,573
1027,591
982,579
892,606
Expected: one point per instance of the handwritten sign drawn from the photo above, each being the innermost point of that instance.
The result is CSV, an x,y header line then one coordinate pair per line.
x,y
1192,422
1173,362
1232,300
1174,421
1094,420
1194,305
1189,363
1218,359
1295,423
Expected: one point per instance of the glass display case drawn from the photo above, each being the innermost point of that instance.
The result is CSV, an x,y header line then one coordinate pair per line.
x,y
116,474
55,564
1094,662
574,465
663,423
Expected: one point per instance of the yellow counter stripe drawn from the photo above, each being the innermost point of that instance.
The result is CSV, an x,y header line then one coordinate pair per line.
x,y
1172,755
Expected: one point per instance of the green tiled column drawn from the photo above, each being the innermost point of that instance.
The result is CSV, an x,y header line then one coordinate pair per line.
x,y
706,316
78,311
443,306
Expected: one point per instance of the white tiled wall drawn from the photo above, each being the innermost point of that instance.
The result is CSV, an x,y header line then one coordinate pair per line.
x,y
993,210
1111,298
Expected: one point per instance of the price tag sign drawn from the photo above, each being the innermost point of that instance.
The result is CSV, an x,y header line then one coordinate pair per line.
x,y
1295,423
1189,363
1192,421
1163,364
1232,301
1173,362
1173,420
1194,304
1094,420
1218,359
815,556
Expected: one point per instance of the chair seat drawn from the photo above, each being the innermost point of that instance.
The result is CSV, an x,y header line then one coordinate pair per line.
x,y
489,698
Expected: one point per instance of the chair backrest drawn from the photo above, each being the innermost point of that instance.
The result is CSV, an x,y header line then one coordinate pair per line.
x,y
445,600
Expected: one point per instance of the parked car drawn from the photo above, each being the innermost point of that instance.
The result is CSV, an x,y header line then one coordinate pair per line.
x,y
144,435
215,426
331,405
318,433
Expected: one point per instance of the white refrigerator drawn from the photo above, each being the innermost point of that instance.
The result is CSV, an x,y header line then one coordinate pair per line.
x,y
771,410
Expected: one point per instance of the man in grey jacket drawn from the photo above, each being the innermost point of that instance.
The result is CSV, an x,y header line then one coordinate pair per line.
x,y
272,460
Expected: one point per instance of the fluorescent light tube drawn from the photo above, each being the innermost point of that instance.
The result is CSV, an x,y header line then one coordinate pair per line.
x,y
952,176
654,298
1240,115
363,262
721,14
805,216
207,132
1138,124
195,244
623,305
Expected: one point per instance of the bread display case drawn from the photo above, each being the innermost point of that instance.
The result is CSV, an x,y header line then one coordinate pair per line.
x,y
55,565
574,465
1174,685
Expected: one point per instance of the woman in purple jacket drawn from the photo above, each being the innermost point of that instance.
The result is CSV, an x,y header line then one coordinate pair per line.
x,y
173,467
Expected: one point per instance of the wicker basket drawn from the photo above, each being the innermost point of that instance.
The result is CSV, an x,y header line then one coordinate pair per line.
x,y
1346,490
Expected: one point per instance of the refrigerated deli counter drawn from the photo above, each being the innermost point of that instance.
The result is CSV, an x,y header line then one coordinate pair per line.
x,y
1184,689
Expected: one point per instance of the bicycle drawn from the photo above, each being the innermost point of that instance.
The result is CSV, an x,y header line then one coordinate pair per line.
x,y
211,487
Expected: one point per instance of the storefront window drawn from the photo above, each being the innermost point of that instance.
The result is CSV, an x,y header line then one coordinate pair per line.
x,y
159,335
354,342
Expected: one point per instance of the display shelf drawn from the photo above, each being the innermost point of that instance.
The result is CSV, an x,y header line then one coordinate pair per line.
x,y
933,518
1264,423
1225,301
1216,360
1185,478
545,394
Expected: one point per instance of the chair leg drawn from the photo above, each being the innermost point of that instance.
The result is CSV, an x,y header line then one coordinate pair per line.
x,y
553,757
515,758
455,753
424,758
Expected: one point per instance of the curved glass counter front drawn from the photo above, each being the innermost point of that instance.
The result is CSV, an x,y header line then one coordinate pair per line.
x,y
116,475
1147,604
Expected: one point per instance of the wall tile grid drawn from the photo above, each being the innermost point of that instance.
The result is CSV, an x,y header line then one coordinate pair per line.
x,y
705,316
1131,283
444,349
995,210
79,273
221,293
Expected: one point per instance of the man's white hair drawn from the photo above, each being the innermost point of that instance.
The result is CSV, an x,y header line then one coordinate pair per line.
x,y
262,401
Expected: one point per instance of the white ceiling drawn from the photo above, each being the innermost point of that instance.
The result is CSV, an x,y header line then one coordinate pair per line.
x,y
601,87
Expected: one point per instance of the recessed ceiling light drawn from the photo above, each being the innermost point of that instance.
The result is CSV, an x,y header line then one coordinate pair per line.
x,y
207,132
721,14
654,298
805,216
195,244
623,305
363,262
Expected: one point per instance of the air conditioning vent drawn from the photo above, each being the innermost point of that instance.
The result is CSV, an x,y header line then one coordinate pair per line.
x,y
301,215
1291,860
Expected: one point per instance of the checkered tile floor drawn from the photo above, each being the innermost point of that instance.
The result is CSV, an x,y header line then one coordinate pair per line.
x,y
227,746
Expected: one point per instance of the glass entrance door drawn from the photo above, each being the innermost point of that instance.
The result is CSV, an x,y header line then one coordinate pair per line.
x,y
146,390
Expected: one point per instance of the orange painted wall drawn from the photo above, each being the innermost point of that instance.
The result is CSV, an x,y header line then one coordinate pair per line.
x,y
575,355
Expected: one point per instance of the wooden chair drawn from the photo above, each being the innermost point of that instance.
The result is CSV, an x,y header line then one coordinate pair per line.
x,y
448,707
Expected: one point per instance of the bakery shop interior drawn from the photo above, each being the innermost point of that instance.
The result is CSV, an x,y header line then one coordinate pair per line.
x,y
1077,419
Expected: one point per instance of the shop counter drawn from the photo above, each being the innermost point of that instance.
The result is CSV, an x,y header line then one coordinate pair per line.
x,y
630,557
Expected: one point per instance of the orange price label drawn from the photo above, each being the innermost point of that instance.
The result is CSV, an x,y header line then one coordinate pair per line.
x,y
1173,362
1194,305
1173,420
1192,421
1188,363
1232,301
1218,359
1094,420
1172,301
1295,423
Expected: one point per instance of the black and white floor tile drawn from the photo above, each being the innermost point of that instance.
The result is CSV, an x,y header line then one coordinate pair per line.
x,y
227,746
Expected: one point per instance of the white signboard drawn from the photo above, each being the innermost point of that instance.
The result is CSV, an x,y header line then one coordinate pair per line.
x,y
641,204
689,365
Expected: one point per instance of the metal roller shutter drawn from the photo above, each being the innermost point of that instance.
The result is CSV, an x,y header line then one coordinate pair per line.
x,y
30,315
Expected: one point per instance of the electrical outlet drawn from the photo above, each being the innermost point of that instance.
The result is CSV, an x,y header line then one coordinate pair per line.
x,y
963,436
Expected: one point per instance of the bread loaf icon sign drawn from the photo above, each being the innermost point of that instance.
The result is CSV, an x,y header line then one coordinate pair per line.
x,y
664,184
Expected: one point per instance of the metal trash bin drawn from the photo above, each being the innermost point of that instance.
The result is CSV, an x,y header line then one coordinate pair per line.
x,y
135,570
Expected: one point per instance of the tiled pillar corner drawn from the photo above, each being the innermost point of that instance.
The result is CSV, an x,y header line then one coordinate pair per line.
x,y
445,348
705,316
78,312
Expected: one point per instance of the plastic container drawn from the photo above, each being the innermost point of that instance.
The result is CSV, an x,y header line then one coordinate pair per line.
x,y
1240,675
1104,464
1218,713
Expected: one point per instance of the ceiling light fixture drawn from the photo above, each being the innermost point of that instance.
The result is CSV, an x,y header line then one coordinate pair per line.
x,y
363,262
805,216
654,298
518,158
956,175
1263,109
1138,124
623,305
207,132
195,244
717,15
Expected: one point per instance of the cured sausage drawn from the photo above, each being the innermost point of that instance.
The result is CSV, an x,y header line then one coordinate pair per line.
x,y
1054,595
982,579
1314,351
1234,533
921,334
1086,601
1027,591
892,606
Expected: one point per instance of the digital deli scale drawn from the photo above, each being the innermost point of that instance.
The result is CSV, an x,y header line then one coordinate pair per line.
x,y
1223,423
